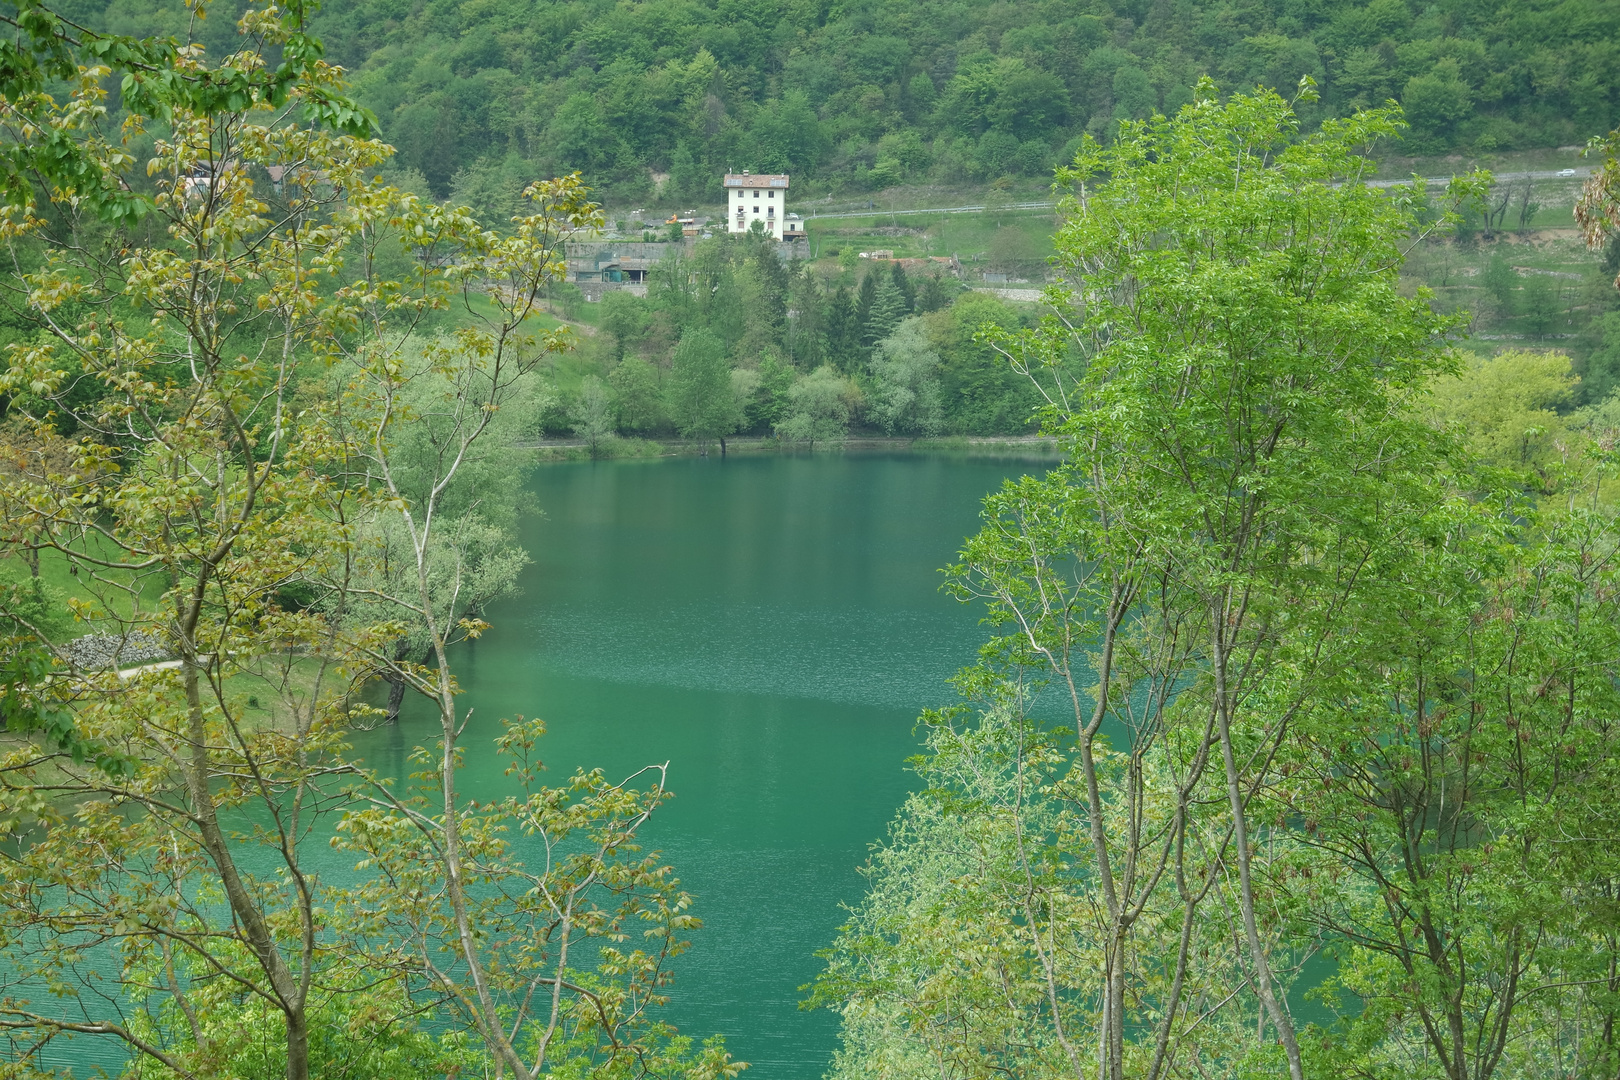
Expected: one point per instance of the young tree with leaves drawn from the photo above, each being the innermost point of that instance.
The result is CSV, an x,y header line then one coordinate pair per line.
x,y
201,491
701,401
1230,383
222,502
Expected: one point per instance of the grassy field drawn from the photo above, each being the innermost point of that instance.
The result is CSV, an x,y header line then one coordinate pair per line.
x,y
1015,242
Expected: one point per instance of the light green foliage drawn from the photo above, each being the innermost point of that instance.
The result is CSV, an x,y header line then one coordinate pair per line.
x,y
819,407
595,927
905,376
357,1032
624,315
592,413
290,480
1233,385
848,261
700,397
1507,407
636,395
1458,845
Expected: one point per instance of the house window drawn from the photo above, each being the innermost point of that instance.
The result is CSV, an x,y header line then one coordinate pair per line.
x,y
770,194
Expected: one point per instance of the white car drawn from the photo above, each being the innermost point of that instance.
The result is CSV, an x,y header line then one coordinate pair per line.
x,y
1566,172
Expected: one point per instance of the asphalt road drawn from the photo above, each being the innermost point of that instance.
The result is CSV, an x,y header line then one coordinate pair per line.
x,y
1432,181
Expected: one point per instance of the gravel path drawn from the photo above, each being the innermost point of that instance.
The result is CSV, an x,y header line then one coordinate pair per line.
x,y
110,650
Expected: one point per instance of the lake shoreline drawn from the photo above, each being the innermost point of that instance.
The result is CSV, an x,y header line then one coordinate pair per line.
x,y
1033,447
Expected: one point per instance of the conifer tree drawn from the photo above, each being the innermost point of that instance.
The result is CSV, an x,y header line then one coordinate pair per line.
x,y
843,331
888,308
765,284
903,284
807,322
865,298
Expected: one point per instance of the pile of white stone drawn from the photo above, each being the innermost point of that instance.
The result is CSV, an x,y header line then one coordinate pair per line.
x,y
110,650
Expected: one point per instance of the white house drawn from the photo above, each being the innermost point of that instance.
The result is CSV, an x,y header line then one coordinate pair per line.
x,y
751,198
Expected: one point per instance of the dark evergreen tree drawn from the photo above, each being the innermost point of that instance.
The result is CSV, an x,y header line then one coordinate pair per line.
x,y
806,338
686,174
866,296
843,331
771,291
902,283
931,295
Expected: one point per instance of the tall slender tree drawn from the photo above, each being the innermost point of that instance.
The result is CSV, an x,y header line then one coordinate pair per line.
x,y
1233,389
843,331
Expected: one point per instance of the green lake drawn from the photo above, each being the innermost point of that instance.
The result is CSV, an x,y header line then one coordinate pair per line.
x,y
771,626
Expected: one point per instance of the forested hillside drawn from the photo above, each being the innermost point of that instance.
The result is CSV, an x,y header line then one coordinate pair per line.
x,y
864,94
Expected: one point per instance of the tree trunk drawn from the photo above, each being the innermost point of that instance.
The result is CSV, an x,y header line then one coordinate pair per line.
x,y
722,446
255,927
397,684
1240,838
297,1045
396,697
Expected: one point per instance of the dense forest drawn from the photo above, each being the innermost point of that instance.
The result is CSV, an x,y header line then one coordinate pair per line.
x,y
862,95
733,339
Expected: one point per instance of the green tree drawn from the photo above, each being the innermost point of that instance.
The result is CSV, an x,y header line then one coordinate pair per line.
x,y
764,287
624,315
699,394
197,324
887,310
771,398
1179,583
819,407
1502,282
1507,407
1437,786
806,339
1435,102
685,176
452,909
228,506
843,331
905,376
983,395
865,300
1541,308
636,395
902,283
592,414
1134,97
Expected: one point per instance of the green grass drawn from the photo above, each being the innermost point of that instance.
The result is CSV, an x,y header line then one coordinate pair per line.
x,y
1553,267
63,585
1017,241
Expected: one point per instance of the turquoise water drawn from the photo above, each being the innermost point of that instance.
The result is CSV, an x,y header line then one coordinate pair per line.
x,y
771,626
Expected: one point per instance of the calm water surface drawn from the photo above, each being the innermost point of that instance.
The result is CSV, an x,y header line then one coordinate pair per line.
x,y
771,626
